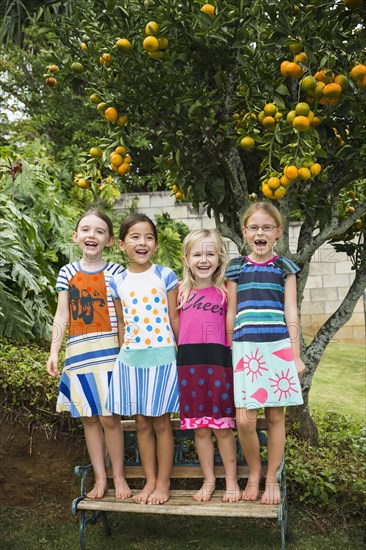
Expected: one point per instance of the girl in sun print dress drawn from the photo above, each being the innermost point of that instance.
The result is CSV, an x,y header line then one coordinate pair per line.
x,y
264,324
144,381
204,359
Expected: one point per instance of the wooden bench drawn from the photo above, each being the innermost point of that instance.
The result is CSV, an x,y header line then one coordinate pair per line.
x,y
186,468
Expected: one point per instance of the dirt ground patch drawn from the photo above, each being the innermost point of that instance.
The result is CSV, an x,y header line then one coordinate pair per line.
x,y
38,470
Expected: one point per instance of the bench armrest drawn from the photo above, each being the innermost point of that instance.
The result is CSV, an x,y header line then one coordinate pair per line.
x,y
82,472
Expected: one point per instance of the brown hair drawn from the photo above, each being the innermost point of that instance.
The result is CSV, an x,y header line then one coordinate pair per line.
x,y
100,215
132,220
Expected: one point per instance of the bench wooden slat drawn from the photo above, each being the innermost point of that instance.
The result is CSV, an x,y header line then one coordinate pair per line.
x,y
181,503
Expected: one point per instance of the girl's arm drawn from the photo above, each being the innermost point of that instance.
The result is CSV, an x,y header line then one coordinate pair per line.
x,y
232,304
292,321
60,323
120,321
173,312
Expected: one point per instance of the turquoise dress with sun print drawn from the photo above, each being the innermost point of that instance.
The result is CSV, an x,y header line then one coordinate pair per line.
x,y
264,370
144,379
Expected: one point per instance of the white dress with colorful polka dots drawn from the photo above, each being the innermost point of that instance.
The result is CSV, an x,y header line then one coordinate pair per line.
x,y
144,378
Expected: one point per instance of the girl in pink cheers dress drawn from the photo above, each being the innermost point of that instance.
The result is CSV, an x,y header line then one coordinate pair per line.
x,y
204,361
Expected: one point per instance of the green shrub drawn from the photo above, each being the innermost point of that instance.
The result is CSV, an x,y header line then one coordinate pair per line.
x,y
332,472
27,393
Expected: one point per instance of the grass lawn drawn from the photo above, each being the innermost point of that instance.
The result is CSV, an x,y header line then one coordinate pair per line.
x,y
20,531
339,382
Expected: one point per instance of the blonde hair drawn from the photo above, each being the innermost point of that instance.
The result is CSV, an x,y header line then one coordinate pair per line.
x,y
188,282
267,208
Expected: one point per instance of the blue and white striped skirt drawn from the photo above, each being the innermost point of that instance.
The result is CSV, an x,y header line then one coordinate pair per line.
x,y
144,382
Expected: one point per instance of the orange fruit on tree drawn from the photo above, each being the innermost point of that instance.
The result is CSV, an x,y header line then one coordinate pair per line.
x,y
294,70
315,169
301,58
116,159
77,67
152,28
156,55
261,116
358,71
301,123
279,192
247,143
209,9
283,67
106,59
163,43
150,44
342,81
95,152
95,98
302,108
179,195
273,182
111,114
121,150
101,107
290,116
127,159
54,69
51,81
124,169
304,173
311,116
331,91
278,116
296,46
270,109
123,45
84,47
285,182
122,120
308,83
324,75
269,123
318,90
291,172
267,191
83,183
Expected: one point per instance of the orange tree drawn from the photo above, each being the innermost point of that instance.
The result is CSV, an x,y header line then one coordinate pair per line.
x,y
229,102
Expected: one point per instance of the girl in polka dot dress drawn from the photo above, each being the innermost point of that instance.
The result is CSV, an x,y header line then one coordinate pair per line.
x,y
144,380
204,361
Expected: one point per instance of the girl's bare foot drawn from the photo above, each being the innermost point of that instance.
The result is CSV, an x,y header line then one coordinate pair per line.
x,y
98,490
232,493
160,495
271,493
205,492
251,491
142,496
121,489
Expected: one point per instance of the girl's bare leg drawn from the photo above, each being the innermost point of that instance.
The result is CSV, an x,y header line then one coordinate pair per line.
x,y
205,451
227,449
246,421
114,442
165,454
276,447
147,450
94,439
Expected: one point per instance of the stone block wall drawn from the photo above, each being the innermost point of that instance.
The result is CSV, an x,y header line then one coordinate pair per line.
x,y
330,274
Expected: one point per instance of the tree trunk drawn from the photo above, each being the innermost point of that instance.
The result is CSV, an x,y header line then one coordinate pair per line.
x,y
306,425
